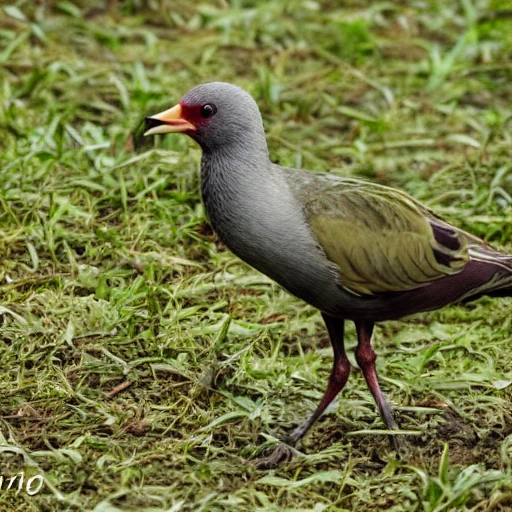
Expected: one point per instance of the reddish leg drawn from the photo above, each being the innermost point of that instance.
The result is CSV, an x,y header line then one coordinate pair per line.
x,y
365,357
337,380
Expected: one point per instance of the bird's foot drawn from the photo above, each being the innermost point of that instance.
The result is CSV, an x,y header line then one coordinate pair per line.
x,y
283,452
396,441
397,444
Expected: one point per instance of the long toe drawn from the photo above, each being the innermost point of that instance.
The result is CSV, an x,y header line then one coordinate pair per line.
x,y
282,453
386,413
398,443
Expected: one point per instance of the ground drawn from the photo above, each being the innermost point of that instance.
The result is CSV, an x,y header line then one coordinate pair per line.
x,y
144,367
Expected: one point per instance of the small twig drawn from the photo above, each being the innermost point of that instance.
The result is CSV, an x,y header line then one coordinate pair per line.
x,y
121,387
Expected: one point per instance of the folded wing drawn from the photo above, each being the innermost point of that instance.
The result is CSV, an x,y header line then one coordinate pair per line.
x,y
382,240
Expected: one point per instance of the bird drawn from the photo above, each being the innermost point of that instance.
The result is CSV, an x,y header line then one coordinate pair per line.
x,y
353,249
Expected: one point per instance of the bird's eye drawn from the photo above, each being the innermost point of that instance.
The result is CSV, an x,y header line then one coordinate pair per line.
x,y
208,110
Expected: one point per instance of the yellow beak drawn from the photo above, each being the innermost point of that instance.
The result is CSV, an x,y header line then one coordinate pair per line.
x,y
168,121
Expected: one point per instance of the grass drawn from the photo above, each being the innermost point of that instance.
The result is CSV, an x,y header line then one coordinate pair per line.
x,y
143,365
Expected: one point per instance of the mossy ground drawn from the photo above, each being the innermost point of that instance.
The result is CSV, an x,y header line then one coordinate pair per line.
x,y
143,365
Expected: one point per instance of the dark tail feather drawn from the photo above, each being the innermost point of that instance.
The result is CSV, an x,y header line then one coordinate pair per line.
x,y
486,254
500,285
504,292
477,279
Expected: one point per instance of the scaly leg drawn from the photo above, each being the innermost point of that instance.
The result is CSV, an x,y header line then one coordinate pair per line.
x,y
365,357
337,380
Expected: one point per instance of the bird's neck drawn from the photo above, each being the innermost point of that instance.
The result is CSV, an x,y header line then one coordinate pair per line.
x,y
231,174
238,185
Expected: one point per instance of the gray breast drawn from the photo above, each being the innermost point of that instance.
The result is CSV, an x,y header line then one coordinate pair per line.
x,y
264,224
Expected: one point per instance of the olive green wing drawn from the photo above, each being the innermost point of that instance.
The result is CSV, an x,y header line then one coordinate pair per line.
x,y
382,240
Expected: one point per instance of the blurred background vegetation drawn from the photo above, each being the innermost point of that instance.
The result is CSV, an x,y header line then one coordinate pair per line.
x,y
143,365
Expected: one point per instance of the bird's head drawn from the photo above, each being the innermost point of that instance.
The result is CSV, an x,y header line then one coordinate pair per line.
x,y
215,114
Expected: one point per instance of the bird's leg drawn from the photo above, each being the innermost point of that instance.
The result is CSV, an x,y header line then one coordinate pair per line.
x,y
365,357
337,380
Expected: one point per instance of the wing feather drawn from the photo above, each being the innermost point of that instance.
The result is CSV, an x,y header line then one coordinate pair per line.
x,y
381,239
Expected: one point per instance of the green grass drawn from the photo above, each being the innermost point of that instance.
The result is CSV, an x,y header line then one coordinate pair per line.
x,y
143,365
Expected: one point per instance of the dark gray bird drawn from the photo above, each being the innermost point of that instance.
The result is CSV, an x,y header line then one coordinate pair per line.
x,y
352,249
